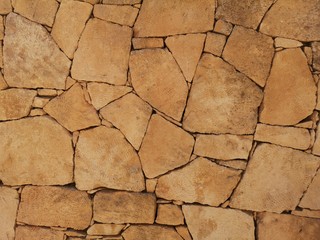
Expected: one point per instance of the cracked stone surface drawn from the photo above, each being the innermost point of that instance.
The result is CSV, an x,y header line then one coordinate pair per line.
x,y
148,232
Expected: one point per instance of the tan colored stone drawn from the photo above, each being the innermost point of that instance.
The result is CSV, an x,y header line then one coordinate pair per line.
x,y
169,214
316,55
5,6
1,28
175,17
236,164
215,43
295,20
223,147
310,198
72,111
168,94
308,52
47,92
149,232
285,226
184,232
306,213
70,82
104,158
91,63
35,150
124,207
37,233
286,43
165,147
207,223
3,84
151,185
121,2
290,92
139,43
37,112
275,179
223,27
186,49
15,103
200,181
221,100
105,229
316,145
9,200
39,102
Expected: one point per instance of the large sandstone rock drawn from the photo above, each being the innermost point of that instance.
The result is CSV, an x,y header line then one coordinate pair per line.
x,y
200,181
207,223
104,158
30,62
35,151
221,99
55,206
171,17
37,233
275,179
290,92
310,198
149,232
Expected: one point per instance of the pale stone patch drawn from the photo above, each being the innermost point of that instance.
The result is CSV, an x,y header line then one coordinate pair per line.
x,y
47,92
40,102
5,6
105,229
37,233
286,43
214,43
151,185
139,43
223,27
169,214
148,232
311,197
37,112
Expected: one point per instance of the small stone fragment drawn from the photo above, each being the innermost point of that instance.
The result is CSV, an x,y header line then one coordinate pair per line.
x,y
40,102
1,28
316,55
184,232
139,43
121,2
169,214
214,43
308,52
3,84
148,232
236,164
306,213
37,233
105,229
310,198
223,27
151,185
286,43
47,92
316,145
37,112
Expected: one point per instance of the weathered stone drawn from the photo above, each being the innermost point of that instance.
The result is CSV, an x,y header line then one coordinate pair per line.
x,y
310,199
124,207
40,102
139,43
283,226
316,145
91,63
104,158
175,17
200,181
69,24
29,62
236,164
148,232
169,214
316,55
130,115
184,232
3,84
5,6
121,2
250,52
1,28
296,20
37,233
275,179
186,49
35,151
306,213
55,206
15,103
168,94
286,43
214,43
37,112
47,92
151,185
223,147
164,147
290,92
105,229
221,100
206,223
223,27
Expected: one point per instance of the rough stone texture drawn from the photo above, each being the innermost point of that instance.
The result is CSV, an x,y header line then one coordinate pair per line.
x,y
130,115
169,214
310,199
316,145
15,103
275,179
139,43
121,2
290,92
72,110
124,207
207,223
223,147
284,226
286,43
296,20
105,229
200,181
40,102
186,49
148,232
306,213
221,100
28,62
47,92
9,200
223,27
5,6
3,84
24,160
214,43
37,233
55,206
183,232
104,158
167,93
316,55
69,24
164,147
1,28
236,164
200,19
91,63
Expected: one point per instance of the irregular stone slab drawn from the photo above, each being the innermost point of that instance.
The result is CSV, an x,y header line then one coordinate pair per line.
x,y
306,213
9,200
206,223
91,63
250,52
72,110
223,27
290,92
223,147
15,103
200,181
183,232
124,207
246,13
298,138
161,85
1,27
169,214
35,151
310,199
316,55
130,115
274,186
221,100
296,20
316,145
286,43
121,2
236,164
174,11
285,226
186,49
55,206
40,102
5,6
105,229
139,43
104,158
148,232
47,92
214,43
37,233
164,147
28,62
69,24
